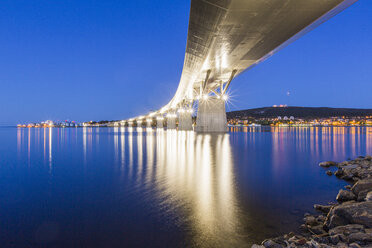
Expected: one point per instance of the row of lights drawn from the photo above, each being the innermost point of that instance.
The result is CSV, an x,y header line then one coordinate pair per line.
x,y
206,97
182,110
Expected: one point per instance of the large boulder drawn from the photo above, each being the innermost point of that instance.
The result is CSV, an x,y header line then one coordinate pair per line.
x,y
327,164
360,237
346,230
310,221
345,195
362,185
350,213
362,195
323,208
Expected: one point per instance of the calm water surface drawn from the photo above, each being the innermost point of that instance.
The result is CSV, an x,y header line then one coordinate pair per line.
x,y
123,187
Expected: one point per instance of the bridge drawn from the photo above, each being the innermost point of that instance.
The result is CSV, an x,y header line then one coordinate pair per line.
x,y
225,38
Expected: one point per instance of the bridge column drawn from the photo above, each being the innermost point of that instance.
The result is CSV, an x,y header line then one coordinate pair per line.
x,y
159,121
211,115
171,120
148,122
185,120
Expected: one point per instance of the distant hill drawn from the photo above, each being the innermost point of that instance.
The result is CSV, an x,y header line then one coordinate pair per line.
x,y
299,112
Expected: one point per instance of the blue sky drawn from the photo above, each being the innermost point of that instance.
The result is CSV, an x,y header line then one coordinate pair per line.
x,y
113,59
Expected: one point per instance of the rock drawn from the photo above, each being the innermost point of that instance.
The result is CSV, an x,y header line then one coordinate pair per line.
x,y
345,195
346,230
301,241
347,186
322,208
257,246
351,166
321,239
317,229
342,164
329,173
289,235
361,185
369,196
292,239
321,218
327,164
355,179
360,237
334,239
268,243
362,195
350,213
347,176
364,173
368,158
339,173
313,244
310,221
342,245
333,220
354,245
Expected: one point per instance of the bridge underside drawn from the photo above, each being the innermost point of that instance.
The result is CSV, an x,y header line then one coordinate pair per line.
x,y
227,37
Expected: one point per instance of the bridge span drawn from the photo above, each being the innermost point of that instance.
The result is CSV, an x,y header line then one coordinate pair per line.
x,y
225,38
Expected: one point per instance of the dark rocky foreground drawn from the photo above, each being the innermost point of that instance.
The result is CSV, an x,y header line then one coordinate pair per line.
x,y
347,223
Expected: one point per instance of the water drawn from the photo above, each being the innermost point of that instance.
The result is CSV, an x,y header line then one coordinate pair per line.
x,y
120,187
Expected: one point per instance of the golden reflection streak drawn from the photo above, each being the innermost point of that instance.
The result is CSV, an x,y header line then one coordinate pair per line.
x,y
50,149
44,145
29,145
85,144
116,144
139,150
195,172
368,139
149,152
130,143
19,142
122,148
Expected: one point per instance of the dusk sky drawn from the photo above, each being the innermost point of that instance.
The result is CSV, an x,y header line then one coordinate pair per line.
x,y
114,59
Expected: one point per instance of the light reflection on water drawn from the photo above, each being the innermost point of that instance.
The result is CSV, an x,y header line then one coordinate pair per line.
x,y
151,187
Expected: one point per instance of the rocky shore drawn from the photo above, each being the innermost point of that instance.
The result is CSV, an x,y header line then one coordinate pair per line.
x,y
347,223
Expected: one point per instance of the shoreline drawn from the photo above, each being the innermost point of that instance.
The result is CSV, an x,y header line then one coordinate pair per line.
x,y
347,223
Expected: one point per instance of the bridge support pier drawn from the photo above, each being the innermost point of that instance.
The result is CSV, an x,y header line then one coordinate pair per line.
x,y
148,122
159,122
211,116
185,120
171,121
